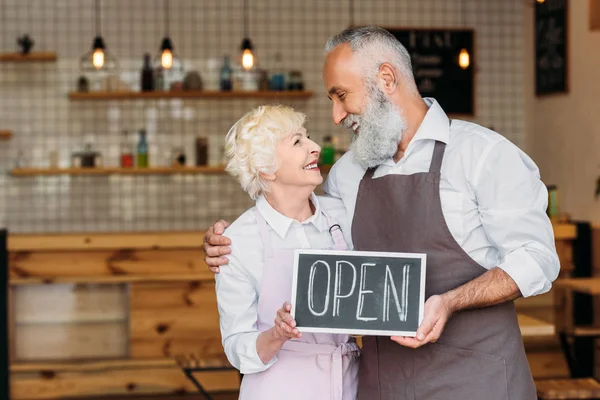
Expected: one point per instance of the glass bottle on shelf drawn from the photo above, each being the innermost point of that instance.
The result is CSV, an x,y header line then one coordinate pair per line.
x,y
126,151
142,150
277,81
159,79
226,75
147,78
327,151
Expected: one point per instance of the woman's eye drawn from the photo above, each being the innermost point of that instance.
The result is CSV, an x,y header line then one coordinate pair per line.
x,y
297,142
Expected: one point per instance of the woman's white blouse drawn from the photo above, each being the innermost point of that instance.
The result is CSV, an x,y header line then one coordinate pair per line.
x,y
238,284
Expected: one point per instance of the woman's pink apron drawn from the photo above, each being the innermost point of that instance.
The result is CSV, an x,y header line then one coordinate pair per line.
x,y
314,367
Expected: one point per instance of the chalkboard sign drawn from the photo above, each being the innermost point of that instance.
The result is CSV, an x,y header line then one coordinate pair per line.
x,y
551,47
358,292
434,54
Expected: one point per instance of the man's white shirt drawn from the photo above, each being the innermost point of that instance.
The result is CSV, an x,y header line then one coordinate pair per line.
x,y
493,199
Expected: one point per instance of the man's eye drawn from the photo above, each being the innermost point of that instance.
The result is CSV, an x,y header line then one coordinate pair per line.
x,y
342,96
297,142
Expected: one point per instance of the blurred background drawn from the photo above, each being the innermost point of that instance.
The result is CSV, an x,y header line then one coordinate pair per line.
x,y
113,115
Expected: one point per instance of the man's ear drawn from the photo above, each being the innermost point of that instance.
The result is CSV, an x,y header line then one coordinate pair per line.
x,y
388,77
267,177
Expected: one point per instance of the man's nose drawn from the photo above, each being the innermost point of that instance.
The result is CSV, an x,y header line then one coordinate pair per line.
x,y
339,114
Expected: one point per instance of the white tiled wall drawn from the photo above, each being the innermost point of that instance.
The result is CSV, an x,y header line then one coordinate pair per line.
x,y
34,102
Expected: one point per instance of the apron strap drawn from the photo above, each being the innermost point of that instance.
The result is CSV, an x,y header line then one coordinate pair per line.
x,y
265,236
336,233
438,153
369,174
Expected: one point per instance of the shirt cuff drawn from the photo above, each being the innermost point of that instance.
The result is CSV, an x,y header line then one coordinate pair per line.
x,y
526,273
250,362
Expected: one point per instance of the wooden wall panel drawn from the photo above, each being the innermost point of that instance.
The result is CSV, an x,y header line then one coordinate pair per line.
x,y
594,15
70,303
24,264
170,319
51,385
35,342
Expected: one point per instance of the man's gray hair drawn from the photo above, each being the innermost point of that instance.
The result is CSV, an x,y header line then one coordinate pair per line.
x,y
376,46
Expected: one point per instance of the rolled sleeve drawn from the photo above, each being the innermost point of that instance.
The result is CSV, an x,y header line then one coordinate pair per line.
x,y
237,301
512,203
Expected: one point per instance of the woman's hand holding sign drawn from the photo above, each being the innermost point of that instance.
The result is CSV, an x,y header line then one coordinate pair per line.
x,y
285,324
270,342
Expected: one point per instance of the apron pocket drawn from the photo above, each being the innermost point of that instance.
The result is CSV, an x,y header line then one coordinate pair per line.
x,y
449,373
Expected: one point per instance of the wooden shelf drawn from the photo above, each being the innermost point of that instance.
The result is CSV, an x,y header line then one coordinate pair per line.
x,y
188,95
105,171
531,326
31,57
587,331
5,135
100,365
106,241
564,231
91,365
113,279
117,171
589,286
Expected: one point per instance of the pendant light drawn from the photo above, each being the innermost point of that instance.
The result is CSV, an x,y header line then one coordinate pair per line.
x,y
165,56
247,56
464,58
98,58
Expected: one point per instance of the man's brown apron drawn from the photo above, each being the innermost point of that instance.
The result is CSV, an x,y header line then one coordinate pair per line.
x,y
480,354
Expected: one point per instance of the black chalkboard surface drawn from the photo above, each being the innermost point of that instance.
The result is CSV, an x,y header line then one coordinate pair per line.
x,y
551,59
434,55
358,292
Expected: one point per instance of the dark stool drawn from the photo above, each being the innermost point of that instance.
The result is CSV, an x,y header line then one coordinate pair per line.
x,y
190,364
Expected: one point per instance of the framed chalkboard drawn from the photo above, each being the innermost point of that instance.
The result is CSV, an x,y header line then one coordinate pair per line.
x,y
358,292
435,62
551,52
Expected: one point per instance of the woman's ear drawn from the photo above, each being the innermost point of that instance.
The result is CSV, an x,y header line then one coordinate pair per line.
x,y
267,177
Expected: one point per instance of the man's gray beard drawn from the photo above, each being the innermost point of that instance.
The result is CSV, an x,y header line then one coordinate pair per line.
x,y
380,130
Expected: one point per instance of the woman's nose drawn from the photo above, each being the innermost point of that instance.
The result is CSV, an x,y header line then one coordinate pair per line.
x,y
315,149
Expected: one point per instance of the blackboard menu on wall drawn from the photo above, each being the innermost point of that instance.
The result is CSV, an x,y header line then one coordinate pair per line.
x,y
551,47
434,54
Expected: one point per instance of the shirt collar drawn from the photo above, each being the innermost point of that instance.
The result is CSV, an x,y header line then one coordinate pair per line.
x,y
280,223
435,125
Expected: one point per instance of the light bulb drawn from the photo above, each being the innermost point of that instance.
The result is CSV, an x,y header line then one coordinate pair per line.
x,y
98,58
166,59
464,60
247,59
540,1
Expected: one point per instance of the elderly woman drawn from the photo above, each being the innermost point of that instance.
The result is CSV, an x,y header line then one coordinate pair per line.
x,y
276,163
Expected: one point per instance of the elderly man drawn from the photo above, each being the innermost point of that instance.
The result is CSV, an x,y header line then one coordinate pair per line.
x,y
416,181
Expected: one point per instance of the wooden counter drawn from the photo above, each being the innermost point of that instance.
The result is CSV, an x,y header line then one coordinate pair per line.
x,y
133,302
140,299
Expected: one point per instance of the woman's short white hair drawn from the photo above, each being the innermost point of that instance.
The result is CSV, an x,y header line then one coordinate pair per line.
x,y
251,144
